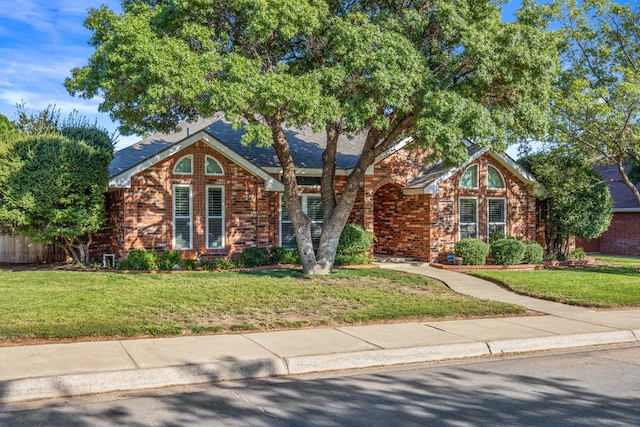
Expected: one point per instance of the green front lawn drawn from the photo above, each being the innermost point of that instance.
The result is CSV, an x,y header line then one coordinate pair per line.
x,y
613,282
65,304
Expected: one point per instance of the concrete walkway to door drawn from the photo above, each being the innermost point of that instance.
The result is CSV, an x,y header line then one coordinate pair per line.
x,y
479,288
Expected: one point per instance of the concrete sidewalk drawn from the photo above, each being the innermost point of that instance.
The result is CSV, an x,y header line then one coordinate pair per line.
x,y
58,370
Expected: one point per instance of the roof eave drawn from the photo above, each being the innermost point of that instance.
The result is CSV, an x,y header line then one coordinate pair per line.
x,y
432,187
393,149
626,210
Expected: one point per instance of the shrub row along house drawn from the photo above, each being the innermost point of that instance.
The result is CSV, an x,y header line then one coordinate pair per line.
x,y
201,192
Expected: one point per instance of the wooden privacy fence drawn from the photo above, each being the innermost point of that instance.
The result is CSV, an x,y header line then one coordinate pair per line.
x,y
22,250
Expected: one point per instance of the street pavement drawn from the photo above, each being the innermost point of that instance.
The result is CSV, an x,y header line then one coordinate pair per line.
x,y
73,369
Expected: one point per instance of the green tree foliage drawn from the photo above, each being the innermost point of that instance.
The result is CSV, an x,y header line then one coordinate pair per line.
x,y
441,72
578,202
596,106
52,186
39,122
7,132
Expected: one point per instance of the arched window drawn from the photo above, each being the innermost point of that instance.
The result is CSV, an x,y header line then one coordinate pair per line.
x,y
212,166
184,166
469,178
494,178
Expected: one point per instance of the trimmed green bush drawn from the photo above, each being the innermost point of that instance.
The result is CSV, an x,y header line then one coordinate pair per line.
x,y
280,255
217,264
139,260
472,251
533,253
188,264
225,264
169,259
578,253
495,236
507,251
354,245
254,257
207,264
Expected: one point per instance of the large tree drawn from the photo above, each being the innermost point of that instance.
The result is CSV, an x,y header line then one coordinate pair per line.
x,y
596,109
52,184
440,71
577,203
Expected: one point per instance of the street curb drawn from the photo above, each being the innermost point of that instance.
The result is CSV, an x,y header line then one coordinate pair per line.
x,y
27,389
384,357
556,342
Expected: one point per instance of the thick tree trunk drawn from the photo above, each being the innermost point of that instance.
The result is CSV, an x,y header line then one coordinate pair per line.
x,y
299,220
334,223
76,249
335,212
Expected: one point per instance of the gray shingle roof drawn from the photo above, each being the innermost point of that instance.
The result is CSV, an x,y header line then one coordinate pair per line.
x,y
438,171
622,197
306,146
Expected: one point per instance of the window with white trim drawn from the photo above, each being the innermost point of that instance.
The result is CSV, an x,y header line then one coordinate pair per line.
x,y
495,180
469,178
182,233
312,206
468,217
215,216
497,216
212,166
184,166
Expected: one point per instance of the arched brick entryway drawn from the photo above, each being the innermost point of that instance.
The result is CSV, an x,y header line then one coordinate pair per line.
x,y
401,223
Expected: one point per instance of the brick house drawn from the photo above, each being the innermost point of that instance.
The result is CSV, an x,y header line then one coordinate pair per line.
x,y
623,235
201,191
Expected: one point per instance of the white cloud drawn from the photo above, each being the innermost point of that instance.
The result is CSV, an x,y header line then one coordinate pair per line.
x,y
40,42
39,101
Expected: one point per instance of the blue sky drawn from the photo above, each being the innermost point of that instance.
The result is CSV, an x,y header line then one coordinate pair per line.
x,y
40,42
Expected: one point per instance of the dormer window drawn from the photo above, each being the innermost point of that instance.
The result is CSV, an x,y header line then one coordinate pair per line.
x,y
469,178
184,166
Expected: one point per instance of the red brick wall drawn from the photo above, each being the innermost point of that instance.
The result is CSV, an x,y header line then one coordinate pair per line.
x,y
623,235
110,238
147,207
400,222
520,203
425,227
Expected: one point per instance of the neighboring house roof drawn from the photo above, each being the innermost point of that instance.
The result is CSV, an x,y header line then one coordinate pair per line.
x,y
623,199
306,149
429,180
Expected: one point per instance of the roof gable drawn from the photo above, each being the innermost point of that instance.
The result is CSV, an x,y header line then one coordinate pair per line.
x,y
141,156
429,181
